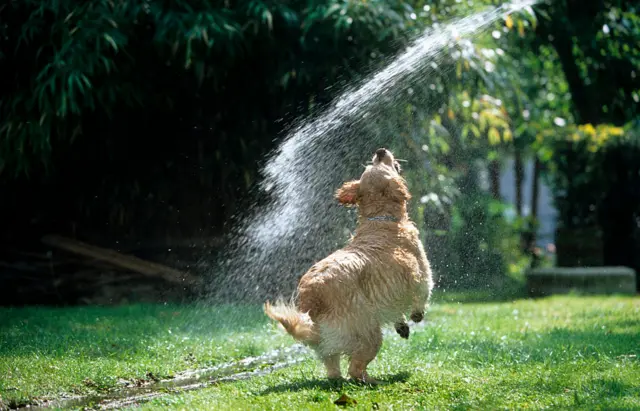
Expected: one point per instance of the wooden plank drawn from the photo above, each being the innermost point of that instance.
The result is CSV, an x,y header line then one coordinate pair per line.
x,y
117,259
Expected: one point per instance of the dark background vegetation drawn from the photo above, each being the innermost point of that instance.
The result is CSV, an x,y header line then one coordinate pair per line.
x,y
141,126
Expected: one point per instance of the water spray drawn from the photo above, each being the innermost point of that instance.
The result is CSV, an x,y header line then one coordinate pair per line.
x,y
275,243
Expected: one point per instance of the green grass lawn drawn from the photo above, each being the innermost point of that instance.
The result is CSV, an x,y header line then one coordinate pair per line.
x,y
48,352
561,352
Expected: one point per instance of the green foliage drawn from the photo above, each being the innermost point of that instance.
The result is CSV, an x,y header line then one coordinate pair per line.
x,y
598,44
480,250
71,58
98,86
66,59
576,172
473,115
584,169
165,106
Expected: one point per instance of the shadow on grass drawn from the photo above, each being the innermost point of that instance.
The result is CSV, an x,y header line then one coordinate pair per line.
x,y
100,331
325,384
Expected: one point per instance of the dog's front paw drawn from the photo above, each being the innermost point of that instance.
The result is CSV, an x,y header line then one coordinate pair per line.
x,y
403,330
417,316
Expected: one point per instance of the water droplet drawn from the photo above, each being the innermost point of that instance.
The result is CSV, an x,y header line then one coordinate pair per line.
x,y
559,121
489,66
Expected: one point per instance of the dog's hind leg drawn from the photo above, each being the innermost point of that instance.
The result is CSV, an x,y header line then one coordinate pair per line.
x,y
367,349
420,301
332,364
402,328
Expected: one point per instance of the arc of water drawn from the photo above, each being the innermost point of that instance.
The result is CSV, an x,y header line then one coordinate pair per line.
x,y
287,168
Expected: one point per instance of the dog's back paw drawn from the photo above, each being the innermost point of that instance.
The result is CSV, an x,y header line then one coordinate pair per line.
x,y
402,329
416,317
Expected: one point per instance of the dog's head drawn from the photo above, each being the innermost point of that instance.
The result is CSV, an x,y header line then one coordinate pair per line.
x,y
380,190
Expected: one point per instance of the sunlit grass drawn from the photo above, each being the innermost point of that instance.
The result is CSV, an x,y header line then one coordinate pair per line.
x,y
564,352
561,352
47,352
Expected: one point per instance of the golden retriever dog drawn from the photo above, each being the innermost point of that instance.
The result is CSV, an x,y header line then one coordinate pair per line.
x,y
378,277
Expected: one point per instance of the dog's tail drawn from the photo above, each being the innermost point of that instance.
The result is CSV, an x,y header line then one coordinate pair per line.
x,y
296,323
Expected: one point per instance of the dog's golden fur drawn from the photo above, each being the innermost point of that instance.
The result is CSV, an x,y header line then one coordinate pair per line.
x,y
381,275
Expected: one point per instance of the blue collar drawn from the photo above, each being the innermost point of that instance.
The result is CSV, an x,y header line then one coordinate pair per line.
x,y
383,218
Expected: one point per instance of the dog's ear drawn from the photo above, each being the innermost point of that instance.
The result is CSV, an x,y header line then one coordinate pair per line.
x,y
348,193
397,166
398,190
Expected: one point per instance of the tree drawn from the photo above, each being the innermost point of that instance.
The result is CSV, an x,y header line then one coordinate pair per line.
x,y
124,103
598,44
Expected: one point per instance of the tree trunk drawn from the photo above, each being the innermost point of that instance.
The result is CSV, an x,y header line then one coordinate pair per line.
x,y
494,178
535,189
519,176
585,110
533,225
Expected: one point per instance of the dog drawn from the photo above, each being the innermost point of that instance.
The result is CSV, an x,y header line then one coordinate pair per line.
x,y
376,279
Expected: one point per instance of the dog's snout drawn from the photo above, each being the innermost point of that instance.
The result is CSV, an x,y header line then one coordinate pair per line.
x,y
381,152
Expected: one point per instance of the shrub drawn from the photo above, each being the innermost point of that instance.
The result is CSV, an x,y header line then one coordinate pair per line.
x,y
575,171
594,173
480,248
